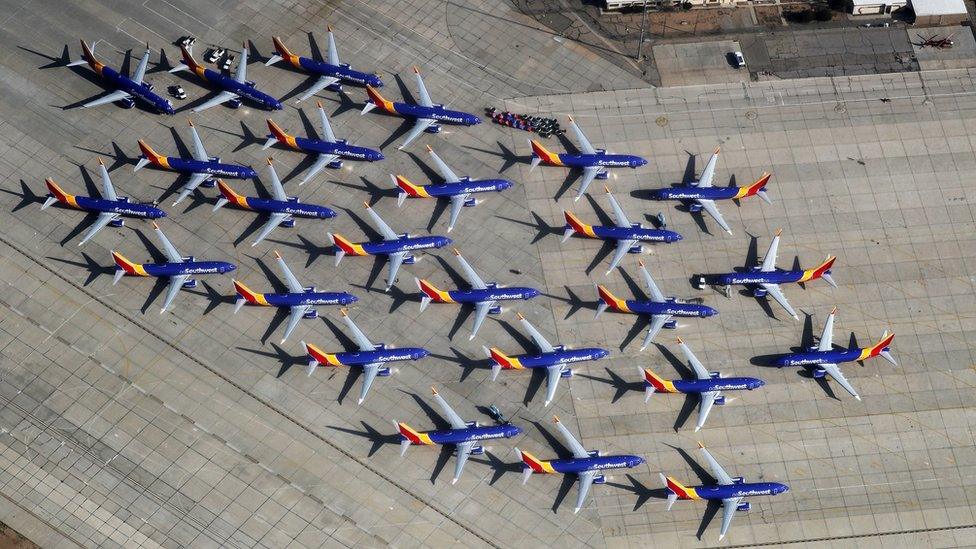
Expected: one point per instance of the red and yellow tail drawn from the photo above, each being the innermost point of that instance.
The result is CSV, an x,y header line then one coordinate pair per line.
x,y
660,384
231,196
58,193
152,156
89,56
378,99
415,437
249,295
577,225
280,135
537,465
413,190
543,154
813,274
877,348
504,360
321,356
611,300
135,269
285,53
433,293
680,490
189,61
348,247
751,190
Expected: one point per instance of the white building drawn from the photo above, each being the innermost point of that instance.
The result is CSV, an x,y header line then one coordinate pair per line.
x,y
939,12
877,7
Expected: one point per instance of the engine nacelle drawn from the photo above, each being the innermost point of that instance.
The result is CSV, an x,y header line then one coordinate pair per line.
x,y
472,424
148,86
337,87
636,226
379,346
495,310
249,83
384,372
234,103
291,199
559,348
477,450
694,208
759,292
737,480
812,349
671,324
470,202
409,260
595,453
214,159
819,373
433,128
189,284
635,249
310,314
189,259
288,223
335,164
745,506
127,103
714,375
603,175
309,289
600,479
566,374
601,151
116,223
209,183
700,282
719,401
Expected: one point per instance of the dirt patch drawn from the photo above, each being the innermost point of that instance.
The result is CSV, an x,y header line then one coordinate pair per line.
x,y
11,539
768,16
696,22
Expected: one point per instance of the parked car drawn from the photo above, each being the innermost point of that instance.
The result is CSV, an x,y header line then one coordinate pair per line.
x,y
214,54
177,92
739,60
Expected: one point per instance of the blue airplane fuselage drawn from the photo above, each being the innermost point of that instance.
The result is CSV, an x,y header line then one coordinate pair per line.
x,y
813,358
292,207
473,434
169,269
778,276
740,490
672,308
717,384
602,160
212,167
339,148
635,233
136,90
492,293
244,90
560,356
596,463
694,193
122,206
467,186
309,297
361,358
405,244
437,112
341,71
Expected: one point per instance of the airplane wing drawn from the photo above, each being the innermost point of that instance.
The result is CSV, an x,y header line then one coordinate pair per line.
x,y
769,261
274,220
457,203
589,173
463,451
395,261
696,365
585,481
103,219
838,376
322,161
241,74
333,52
712,210
369,374
326,127
419,126
293,284
277,189
171,254
705,406
618,212
622,247
220,98
108,190
652,288
827,336
297,312
452,417
709,171
319,85
381,225
776,293
718,472
361,340
141,69
571,442
469,273
175,283
657,322
191,185
729,506
585,146
110,98
481,309
553,375
446,172
541,342
422,89
199,153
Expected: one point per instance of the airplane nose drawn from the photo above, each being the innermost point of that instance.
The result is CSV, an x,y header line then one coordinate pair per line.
x,y
378,156
759,383
230,267
782,488
712,312
534,293
352,299
422,353
677,237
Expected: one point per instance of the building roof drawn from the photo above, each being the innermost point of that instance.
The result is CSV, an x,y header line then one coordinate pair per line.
x,y
924,8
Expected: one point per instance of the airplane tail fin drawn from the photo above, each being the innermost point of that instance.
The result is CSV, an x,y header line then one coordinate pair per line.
x,y
823,271
57,194
124,267
277,135
501,361
87,56
406,189
409,436
607,299
343,247
541,154
149,156
495,366
653,383
188,62
672,495
532,464
880,349
228,195
316,356
759,188
376,100
246,295
574,225
281,52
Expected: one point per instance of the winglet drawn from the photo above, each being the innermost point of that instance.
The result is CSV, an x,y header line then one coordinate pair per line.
x,y
277,255
555,419
318,104
640,262
416,70
834,310
155,226
344,311
456,252
430,149
606,188
700,445
366,204
679,341
100,163
433,391
570,118
717,149
520,316
328,28
779,232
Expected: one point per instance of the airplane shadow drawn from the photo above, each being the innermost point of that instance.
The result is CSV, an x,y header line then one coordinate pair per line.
x,y
507,155
280,355
542,228
93,267
621,385
643,493
377,438
26,195
214,298
575,303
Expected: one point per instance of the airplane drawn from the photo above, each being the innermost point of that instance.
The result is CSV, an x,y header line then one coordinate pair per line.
x,y
127,90
328,151
662,310
426,113
370,357
178,269
701,195
301,300
627,234
464,435
457,189
707,385
729,490
331,73
110,208
594,162
281,208
766,278
823,359
555,359
395,246
233,90
202,168
586,464
483,295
